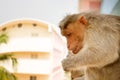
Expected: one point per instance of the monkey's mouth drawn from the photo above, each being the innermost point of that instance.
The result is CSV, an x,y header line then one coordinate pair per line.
x,y
76,49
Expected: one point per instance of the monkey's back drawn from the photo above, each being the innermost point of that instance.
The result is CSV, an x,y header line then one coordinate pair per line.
x,y
102,20
109,24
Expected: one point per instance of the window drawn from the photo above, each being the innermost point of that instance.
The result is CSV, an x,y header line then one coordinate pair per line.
x,y
33,78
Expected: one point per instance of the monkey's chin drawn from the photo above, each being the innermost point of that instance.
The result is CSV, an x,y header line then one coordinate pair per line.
x,y
76,50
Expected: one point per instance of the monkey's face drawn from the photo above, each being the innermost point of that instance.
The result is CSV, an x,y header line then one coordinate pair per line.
x,y
74,34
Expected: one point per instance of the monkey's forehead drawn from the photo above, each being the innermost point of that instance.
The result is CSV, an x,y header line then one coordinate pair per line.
x,y
63,32
63,25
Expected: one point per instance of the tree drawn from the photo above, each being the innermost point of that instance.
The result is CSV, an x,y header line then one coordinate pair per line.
x,y
4,73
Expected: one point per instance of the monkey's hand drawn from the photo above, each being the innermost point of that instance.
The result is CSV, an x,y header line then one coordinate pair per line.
x,y
67,65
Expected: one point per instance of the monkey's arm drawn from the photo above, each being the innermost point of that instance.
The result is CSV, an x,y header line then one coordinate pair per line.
x,y
91,56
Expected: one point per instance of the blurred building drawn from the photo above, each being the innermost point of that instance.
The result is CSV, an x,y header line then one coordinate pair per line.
x,y
38,47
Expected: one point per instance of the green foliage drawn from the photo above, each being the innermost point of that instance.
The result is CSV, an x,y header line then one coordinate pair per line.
x,y
4,74
3,38
7,57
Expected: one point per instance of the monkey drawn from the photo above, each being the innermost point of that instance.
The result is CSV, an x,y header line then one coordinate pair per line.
x,y
76,74
94,40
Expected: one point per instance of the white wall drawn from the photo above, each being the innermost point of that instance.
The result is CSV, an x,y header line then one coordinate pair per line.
x,y
51,11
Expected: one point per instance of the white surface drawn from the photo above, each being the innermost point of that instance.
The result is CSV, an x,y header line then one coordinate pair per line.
x,y
27,44
30,66
34,66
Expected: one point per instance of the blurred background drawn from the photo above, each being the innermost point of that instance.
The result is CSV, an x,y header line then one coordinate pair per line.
x,y
37,45
53,10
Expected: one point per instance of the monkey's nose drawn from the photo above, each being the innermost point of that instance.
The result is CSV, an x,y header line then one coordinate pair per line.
x,y
69,47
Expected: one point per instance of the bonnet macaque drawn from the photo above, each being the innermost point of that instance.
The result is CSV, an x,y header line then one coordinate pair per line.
x,y
76,74
94,40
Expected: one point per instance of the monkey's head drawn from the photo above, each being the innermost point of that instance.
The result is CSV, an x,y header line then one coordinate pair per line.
x,y
73,28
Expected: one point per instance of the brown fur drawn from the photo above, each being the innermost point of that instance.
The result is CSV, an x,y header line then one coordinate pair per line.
x,y
101,46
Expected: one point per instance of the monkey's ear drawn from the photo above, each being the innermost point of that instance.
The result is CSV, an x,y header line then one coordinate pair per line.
x,y
83,20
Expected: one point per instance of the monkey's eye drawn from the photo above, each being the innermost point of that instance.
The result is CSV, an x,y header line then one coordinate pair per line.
x,y
69,34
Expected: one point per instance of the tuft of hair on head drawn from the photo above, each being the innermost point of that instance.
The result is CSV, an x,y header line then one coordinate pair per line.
x,y
67,20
